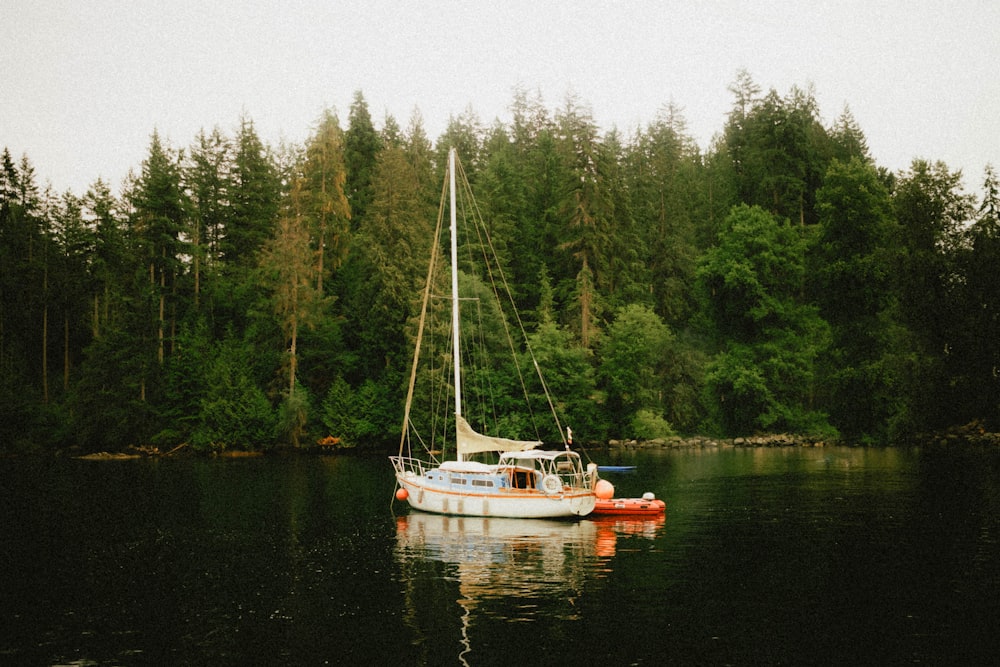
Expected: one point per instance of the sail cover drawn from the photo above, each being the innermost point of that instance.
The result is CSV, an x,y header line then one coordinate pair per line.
x,y
470,442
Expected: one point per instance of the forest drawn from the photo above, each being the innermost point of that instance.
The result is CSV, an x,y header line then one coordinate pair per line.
x,y
235,295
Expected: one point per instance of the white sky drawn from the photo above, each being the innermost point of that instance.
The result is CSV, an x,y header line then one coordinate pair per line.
x,y
83,83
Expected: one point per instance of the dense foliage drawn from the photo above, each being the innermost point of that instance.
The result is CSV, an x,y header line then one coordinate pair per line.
x,y
236,295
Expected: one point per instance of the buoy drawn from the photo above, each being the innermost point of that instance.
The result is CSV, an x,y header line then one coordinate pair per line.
x,y
551,484
604,489
402,494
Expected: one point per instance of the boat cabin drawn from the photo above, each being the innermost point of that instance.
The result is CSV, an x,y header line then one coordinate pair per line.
x,y
546,471
541,469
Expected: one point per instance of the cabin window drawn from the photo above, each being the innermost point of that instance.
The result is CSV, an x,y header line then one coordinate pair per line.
x,y
522,479
482,482
458,480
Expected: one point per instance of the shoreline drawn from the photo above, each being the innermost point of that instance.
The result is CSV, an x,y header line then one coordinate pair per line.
x,y
969,435
973,433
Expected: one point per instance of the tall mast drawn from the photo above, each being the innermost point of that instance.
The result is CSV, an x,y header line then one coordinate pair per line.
x,y
456,353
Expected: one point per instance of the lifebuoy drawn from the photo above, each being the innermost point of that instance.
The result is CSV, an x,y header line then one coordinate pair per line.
x,y
551,484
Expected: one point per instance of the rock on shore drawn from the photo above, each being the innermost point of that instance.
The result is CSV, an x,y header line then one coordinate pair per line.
x,y
765,440
973,433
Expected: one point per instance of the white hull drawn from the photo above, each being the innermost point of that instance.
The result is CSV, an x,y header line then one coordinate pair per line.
x,y
518,504
512,503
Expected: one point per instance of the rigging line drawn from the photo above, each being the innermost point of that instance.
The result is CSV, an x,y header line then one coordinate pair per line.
x,y
420,327
490,260
517,316
481,379
438,380
484,380
416,434
490,389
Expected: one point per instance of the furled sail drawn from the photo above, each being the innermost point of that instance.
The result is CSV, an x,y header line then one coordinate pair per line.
x,y
470,442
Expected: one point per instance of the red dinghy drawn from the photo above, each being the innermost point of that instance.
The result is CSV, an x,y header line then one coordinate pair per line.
x,y
648,504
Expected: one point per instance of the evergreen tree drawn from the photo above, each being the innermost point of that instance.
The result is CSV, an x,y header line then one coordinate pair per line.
x,y
626,279
25,237
746,95
160,217
848,141
931,209
361,148
208,180
662,182
977,334
465,134
419,153
70,282
389,264
107,265
500,193
233,413
287,266
536,164
852,281
585,210
779,150
326,204
255,198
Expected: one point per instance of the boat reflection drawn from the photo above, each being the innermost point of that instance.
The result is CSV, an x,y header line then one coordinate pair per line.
x,y
611,527
498,557
504,569
477,570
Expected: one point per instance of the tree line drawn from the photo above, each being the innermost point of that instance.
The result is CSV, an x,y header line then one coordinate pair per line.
x,y
238,295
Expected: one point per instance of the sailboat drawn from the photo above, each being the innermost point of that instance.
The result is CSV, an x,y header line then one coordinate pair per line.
x,y
519,479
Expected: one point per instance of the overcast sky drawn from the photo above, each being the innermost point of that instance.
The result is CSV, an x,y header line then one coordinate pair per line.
x,y
83,84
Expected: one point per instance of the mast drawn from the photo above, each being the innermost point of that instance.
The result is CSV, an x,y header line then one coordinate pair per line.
x,y
456,353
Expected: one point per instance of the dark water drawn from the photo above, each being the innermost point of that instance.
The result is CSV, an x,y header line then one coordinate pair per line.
x,y
784,556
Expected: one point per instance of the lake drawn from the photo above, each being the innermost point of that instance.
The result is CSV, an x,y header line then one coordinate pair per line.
x,y
765,556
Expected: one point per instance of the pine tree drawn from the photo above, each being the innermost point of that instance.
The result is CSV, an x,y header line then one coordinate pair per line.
x,y
848,139
287,265
977,353
107,263
586,210
931,208
160,220
852,281
325,202
255,198
361,148
208,179
661,166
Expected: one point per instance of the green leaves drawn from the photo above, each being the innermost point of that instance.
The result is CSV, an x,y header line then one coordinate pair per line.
x,y
235,413
751,286
852,282
757,283
635,355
